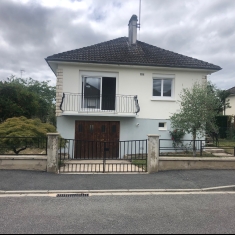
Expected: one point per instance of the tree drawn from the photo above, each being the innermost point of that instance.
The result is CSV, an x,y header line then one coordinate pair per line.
x,y
27,97
27,131
198,109
224,101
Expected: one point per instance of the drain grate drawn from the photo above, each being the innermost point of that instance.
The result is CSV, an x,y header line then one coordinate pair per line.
x,y
72,195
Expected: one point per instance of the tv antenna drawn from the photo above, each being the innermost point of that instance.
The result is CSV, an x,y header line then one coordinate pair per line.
x,y
22,71
138,25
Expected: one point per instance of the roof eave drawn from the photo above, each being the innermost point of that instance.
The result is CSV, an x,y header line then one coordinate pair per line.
x,y
215,69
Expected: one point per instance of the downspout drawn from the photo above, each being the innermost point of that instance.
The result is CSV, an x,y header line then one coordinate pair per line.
x,y
62,102
137,104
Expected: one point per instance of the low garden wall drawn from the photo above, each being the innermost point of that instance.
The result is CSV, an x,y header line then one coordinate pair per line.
x,y
28,163
50,162
44,162
198,163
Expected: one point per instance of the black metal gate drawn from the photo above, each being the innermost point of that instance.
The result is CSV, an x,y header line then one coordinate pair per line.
x,y
78,156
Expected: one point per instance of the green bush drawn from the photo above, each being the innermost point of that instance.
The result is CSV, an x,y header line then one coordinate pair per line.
x,y
23,128
177,135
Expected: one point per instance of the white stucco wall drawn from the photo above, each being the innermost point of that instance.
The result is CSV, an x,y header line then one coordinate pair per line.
x,y
231,111
131,81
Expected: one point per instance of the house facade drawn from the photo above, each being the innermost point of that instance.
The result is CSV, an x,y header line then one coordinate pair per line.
x,y
122,89
231,111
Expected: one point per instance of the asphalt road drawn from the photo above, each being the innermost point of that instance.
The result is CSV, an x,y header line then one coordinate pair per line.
x,y
23,180
186,214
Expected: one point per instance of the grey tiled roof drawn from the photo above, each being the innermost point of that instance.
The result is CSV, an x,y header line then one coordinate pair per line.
x,y
232,91
118,51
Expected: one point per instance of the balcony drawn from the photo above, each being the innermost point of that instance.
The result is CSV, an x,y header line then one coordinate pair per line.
x,y
99,105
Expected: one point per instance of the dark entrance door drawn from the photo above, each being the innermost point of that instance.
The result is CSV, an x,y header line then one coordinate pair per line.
x,y
92,137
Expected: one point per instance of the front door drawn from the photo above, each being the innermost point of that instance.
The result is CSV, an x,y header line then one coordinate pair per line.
x,y
92,137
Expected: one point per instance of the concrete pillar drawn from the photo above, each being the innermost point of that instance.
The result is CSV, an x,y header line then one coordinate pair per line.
x,y
52,152
153,153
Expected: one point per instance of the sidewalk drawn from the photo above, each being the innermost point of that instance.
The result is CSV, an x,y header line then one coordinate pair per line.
x,y
198,179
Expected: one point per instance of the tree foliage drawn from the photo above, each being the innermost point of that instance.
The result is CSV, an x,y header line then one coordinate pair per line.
x,y
198,109
224,100
27,131
27,97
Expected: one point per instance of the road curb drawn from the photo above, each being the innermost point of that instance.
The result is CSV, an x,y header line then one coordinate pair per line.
x,y
222,188
230,188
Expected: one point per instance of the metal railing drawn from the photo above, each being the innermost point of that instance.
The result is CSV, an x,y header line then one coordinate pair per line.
x,y
99,104
23,146
97,156
168,147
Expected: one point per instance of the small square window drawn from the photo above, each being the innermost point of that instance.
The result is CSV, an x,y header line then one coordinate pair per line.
x,y
162,126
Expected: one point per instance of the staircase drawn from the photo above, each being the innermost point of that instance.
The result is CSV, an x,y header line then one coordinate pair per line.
x,y
209,141
217,152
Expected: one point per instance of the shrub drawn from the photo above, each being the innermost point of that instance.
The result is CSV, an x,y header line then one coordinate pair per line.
x,y
177,135
18,134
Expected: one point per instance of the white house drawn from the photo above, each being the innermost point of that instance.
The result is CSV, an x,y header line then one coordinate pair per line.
x,y
122,89
231,111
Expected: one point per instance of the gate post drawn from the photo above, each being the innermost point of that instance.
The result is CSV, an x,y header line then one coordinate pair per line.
x,y
153,153
52,152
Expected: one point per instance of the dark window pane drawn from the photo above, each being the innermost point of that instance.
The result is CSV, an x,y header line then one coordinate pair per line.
x,y
91,128
80,128
103,129
92,92
162,125
167,88
108,93
157,87
114,128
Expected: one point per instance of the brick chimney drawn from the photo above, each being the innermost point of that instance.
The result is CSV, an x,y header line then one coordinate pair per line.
x,y
133,30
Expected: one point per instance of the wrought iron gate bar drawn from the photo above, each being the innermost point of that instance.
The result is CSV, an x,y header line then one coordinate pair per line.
x,y
103,157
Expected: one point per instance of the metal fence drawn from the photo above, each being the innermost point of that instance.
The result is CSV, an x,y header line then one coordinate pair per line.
x,y
97,156
112,104
23,146
168,147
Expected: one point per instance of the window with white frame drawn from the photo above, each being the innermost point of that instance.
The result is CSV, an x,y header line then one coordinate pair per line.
x,y
163,86
162,126
98,93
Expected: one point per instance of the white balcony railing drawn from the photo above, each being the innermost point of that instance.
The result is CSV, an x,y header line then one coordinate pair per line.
x,y
78,103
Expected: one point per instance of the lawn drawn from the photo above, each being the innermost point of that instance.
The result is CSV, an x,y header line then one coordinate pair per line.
x,y
140,163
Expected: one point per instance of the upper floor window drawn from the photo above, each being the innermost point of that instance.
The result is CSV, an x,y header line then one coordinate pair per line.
x,y
163,87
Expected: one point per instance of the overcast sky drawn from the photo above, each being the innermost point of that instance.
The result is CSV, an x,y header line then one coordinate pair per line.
x,y
31,30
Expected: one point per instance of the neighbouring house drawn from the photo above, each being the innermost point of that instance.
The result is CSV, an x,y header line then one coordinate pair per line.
x,y
231,111
122,89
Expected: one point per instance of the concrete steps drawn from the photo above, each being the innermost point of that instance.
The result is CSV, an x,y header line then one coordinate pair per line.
x,y
217,152
214,150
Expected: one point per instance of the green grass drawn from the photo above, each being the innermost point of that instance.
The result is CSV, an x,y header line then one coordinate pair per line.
x,y
140,163
226,143
186,154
